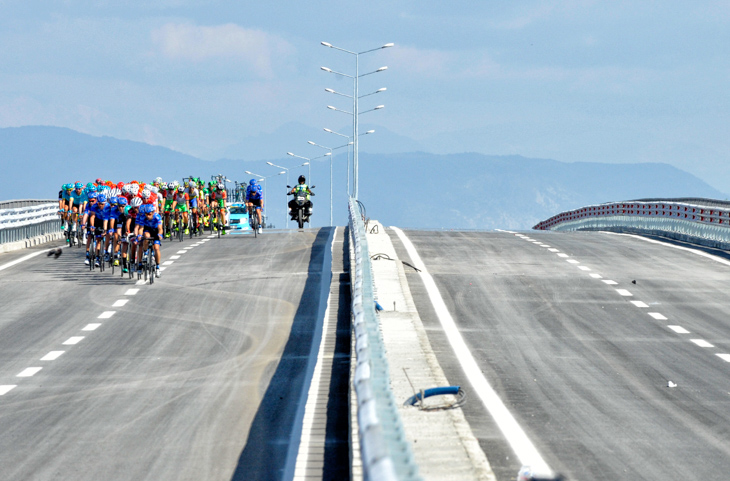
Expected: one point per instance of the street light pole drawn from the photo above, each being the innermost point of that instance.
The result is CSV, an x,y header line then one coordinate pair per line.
x,y
355,112
286,204
331,157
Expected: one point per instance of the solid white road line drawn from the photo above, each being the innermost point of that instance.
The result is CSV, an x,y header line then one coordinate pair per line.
x,y
73,340
91,327
516,437
52,356
679,329
6,388
23,259
29,372
657,316
701,343
693,251
106,314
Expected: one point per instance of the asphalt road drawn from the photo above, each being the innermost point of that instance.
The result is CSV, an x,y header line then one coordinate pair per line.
x,y
583,369
196,377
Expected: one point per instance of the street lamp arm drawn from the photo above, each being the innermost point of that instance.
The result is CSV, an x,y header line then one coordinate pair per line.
x,y
327,44
376,108
339,110
337,93
381,69
371,93
336,72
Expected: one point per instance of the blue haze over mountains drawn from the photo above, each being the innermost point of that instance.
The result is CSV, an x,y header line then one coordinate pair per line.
x,y
412,189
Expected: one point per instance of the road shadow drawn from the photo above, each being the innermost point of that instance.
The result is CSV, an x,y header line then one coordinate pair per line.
x,y
264,456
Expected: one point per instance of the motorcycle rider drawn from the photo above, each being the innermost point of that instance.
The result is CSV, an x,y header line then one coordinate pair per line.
x,y
301,187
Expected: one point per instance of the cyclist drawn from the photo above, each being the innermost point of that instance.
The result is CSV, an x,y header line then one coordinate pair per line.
x,y
87,215
180,204
193,193
218,200
254,198
131,212
148,229
97,225
304,188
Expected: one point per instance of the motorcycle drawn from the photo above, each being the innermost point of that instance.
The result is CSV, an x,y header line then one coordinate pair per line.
x,y
299,213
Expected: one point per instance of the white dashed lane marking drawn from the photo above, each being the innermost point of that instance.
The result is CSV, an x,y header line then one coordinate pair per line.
x,y
174,257
106,314
91,327
640,304
52,356
6,388
29,372
131,292
553,249
657,316
596,276
573,261
610,282
584,268
701,343
561,254
73,340
120,303
624,292
679,329
181,252
167,263
724,357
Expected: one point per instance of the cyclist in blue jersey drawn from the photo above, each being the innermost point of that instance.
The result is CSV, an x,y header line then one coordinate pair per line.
x,y
78,200
254,198
97,224
84,221
111,217
148,229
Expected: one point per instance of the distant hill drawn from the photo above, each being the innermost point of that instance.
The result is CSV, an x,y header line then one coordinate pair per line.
x,y
464,191
475,191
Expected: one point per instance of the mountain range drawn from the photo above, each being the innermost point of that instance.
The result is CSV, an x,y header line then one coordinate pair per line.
x,y
412,189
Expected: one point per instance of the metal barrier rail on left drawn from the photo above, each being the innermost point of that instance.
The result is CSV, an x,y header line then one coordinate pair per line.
x,y
25,219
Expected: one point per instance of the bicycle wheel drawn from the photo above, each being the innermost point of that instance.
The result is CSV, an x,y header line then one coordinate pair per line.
x,y
151,266
92,253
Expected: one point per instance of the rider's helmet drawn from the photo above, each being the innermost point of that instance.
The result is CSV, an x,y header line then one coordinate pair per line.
x,y
99,181
136,202
113,200
92,195
252,182
91,186
158,180
153,189
163,185
122,201
302,179
79,185
101,198
221,186
116,191
120,184
181,189
146,194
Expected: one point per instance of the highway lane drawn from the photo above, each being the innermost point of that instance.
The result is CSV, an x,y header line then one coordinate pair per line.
x,y
583,369
169,384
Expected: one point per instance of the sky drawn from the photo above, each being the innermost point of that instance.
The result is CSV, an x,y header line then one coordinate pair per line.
x,y
571,80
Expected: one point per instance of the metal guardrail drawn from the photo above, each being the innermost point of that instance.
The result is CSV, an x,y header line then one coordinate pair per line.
x,y
24,219
699,221
385,451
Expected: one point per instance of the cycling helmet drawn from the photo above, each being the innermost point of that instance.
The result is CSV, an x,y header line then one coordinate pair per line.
x,y
127,189
116,191
221,187
252,182
79,185
136,202
148,208
158,180
163,186
302,179
181,188
101,198
99,181
146,194
92,195
121,201
112,200
154,189
135,189
90,185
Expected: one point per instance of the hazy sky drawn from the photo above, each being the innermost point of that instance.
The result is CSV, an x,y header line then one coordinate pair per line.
x,y
610,81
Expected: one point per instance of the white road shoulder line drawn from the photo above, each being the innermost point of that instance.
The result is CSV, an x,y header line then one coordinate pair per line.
x,y
516,436
52,356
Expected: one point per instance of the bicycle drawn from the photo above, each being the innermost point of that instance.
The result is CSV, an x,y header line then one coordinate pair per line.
x,y
253,219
